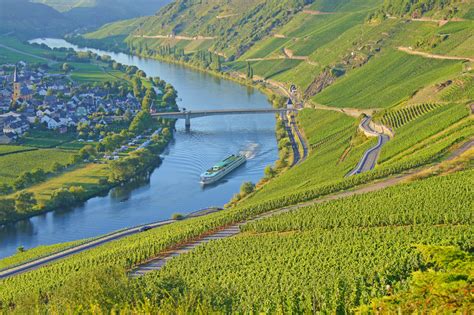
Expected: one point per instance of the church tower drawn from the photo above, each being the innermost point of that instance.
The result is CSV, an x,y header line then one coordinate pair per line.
x,y
16,86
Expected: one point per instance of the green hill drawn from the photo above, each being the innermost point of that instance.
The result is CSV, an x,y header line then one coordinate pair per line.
x,y
94,13
25,19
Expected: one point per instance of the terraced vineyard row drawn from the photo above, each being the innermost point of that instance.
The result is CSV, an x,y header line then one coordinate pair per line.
x,y
400,117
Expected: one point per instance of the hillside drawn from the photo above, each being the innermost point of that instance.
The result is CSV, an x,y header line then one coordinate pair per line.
x,y
309,239
27,20
92,13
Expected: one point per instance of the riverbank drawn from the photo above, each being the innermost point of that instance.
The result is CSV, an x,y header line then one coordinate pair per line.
x,y
73,188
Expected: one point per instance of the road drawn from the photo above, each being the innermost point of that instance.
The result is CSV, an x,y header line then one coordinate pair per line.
x,y
93,243
301,139
291,136
433,56
369,159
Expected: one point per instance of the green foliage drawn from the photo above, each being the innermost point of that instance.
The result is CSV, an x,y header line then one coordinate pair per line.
x,y
386,80
247,188
136,163
24,202
14,165
66,197
399,117
141,122
419,8
443,288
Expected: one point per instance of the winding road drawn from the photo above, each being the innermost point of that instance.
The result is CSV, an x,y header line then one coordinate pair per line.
x,y
369,159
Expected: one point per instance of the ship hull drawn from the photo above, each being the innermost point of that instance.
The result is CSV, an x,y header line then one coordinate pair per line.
x,y
222,173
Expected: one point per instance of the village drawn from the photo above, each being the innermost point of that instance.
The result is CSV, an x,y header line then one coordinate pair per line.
x,y
33,97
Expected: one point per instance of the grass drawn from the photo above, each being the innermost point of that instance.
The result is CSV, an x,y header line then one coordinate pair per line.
x,y
423,127
9,56
87,176
88,73
46,139
12,165
386,80
10,149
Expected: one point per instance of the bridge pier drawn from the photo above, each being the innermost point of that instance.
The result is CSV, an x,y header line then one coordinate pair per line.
x,y
187,121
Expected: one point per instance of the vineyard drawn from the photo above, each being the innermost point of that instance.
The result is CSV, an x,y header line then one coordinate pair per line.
x,y
307,259
423,128
263,269
399,117
460,89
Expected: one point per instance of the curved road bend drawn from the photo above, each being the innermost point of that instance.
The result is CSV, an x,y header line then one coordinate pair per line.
x,y
369,159
91,244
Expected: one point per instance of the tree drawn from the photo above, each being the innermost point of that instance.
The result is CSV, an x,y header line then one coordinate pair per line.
x,y
24,202
5,189
247,188
269,172
141,122
7,207
88,152
57,167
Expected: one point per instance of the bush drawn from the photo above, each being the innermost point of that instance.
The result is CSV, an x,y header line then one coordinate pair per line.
x,y
247,188
177,216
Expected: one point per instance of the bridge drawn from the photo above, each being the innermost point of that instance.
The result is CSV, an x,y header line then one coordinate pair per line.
x,y
188,114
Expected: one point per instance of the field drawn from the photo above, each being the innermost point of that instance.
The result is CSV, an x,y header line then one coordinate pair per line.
x,y
387,80
274,268
88,73
10,149
87,176
13,165
46,139
422,128
115,29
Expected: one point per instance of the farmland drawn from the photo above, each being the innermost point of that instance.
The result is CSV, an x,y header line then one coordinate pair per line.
x,y
370,87
13,165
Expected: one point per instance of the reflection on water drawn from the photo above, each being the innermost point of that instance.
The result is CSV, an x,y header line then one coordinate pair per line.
x,y
174,186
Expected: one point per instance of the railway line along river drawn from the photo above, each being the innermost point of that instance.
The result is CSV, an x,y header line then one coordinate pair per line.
x,y
174,186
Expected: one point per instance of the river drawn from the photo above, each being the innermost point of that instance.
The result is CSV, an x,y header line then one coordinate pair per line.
x,y
174,186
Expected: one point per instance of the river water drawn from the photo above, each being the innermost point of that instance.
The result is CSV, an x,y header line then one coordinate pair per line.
x,y
174,186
